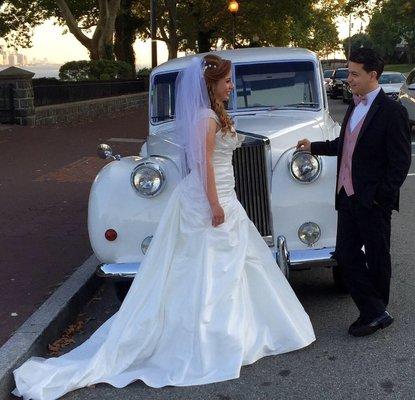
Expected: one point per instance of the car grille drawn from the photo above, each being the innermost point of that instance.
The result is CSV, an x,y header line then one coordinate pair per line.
x,y
251,183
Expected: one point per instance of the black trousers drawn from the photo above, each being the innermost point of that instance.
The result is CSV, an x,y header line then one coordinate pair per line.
x,y
367,274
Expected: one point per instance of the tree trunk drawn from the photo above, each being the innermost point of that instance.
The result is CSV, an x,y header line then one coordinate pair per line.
x,y
204,41
126,26
101,44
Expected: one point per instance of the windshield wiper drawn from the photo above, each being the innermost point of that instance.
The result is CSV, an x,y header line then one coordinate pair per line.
x,y
296,105
302,104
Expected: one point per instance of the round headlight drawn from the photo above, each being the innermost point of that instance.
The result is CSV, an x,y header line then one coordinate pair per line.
x,y
309,233
148,179
305,167
145,243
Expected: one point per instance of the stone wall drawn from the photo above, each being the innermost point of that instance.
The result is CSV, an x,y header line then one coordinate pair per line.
x,y
88,109
16,91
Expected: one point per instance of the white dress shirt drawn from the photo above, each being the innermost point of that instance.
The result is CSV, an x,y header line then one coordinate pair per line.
x,y
361,109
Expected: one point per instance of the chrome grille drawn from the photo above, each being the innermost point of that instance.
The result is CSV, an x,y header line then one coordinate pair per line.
x,y
251,183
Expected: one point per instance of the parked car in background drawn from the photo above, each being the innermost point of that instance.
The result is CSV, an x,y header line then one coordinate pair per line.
x,y
335,85
327,75
278,99
347,94
407,96
389,81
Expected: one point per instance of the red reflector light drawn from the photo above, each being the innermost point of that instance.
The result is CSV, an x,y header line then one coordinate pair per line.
x,y
111,235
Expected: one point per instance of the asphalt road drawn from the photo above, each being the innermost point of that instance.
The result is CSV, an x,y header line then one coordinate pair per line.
x,y
46,174
336,366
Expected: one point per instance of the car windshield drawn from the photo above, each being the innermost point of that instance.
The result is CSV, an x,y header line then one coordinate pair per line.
x,y
276,85
341,73
391,78
328,73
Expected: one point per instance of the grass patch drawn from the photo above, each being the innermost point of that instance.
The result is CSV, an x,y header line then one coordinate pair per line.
x,y
404,68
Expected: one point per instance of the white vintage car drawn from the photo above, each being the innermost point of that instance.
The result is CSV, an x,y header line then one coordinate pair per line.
x,y
279,98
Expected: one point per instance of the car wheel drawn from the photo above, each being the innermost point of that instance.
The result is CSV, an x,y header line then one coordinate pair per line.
x,y
339,279
121,289
333,96
344,100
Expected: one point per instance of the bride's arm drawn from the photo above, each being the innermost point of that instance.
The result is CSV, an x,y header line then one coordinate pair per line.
x,y
218,215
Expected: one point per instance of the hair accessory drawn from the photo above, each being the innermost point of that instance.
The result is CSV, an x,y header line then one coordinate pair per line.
x,y
206,66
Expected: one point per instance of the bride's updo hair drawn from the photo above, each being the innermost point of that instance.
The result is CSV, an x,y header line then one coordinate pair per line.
x,y
217,68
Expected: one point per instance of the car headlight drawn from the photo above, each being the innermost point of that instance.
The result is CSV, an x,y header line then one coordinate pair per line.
x,y
148,179
145,244
309,233
305,167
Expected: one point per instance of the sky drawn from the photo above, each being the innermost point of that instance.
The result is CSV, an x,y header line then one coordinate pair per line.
x,y
50,42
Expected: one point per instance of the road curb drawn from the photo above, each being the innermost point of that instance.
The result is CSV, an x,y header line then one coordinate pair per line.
x,y
45,324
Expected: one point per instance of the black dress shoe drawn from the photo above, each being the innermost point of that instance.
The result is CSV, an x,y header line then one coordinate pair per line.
x,y
367,328
355,323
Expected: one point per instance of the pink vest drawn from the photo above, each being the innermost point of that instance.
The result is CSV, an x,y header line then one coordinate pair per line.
x,y
349,143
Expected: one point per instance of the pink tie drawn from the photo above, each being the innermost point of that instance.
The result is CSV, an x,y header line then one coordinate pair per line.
x,y
359,99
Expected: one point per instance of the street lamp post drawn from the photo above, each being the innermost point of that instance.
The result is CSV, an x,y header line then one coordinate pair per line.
x,y
233,8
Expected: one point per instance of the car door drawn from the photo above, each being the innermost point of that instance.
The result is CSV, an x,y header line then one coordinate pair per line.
x,y
407,95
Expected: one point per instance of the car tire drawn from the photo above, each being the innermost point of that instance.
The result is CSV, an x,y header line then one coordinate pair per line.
x,y
344,100
339,279
121,289
333,96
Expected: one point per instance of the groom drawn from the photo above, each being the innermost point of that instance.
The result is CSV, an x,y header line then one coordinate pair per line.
x,y
373,158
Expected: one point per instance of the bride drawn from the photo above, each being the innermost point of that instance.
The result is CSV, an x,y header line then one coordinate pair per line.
x,y
209,296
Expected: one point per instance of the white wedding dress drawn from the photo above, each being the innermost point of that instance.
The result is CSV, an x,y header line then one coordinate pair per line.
x,y
205,302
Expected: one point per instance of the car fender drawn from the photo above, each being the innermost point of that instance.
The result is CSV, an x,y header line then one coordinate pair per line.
x,y
115,204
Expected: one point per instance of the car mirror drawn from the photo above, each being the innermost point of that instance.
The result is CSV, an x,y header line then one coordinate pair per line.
x,y
104,151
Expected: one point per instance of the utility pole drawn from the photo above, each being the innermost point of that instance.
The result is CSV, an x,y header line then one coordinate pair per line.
x,y
350,37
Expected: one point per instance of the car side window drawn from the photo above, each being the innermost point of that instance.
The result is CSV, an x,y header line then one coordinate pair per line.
x,y
411,78
162,97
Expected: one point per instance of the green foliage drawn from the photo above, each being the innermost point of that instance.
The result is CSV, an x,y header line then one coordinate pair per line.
x,y
107,69
203,26
391,24
404,68
358,40
94,70
75,71
144,71
194,25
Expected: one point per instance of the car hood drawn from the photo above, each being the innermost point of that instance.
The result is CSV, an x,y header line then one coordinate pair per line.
x,y
391,87
283,128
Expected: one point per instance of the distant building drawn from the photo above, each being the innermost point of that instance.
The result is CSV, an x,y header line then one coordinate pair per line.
x,y
20,59
334,63
12,59
3,55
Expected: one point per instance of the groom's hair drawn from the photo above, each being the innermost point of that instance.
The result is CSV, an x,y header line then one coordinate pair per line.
x,y
371,60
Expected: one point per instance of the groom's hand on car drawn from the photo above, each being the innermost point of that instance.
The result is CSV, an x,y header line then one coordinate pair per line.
x,y
218,215
304,145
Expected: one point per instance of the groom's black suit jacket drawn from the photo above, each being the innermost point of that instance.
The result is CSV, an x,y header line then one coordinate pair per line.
x,y
382,156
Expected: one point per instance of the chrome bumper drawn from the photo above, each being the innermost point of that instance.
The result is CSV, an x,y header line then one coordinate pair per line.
x,y
287,260
118,272
302,259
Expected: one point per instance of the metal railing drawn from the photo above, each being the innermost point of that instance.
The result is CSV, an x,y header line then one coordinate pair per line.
x,y
48,92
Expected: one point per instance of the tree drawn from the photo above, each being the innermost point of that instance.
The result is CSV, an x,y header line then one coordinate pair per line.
x,y
384,34
21,16
392,23
201,26
126,26
358,40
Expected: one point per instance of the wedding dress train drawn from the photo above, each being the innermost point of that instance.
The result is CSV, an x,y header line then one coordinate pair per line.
x,y
205,302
